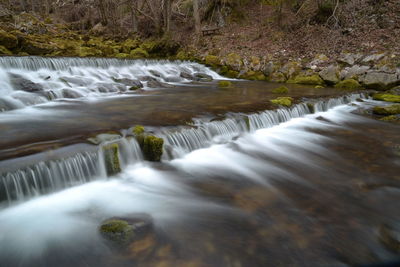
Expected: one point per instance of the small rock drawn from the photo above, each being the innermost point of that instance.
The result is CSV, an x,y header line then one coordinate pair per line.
x,y
20,83
202,77
68,93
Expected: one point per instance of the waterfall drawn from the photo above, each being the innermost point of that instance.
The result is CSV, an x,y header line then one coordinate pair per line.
x,y
184,140
26,81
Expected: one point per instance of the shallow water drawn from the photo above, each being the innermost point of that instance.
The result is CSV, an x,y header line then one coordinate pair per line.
x,y
277,189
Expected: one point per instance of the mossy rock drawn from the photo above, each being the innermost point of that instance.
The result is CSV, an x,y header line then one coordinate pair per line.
x,y
138,129
390,118
319,87
111,159
122,55
89,52
280,90
5,51
387,97
349,84
128,45
224,84
309,80
253,76
232,74
277,77
153,148
283,101
234,61
117,231
212,61
36,48
387,110
8,40
139,53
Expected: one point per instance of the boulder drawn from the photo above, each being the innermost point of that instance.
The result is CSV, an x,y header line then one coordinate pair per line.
x,y
330,74
379,80
76,81
310,80
373,58
234,61
20,83
133,84
212,61
158,84
291,69
186,75
277,77
353,72
283,101
156,73
153,148
36,48
387,97
139,53
349,84
349,58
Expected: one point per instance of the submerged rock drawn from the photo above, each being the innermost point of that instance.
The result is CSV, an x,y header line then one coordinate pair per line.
x,y
20,83
122,231
202,77
224,84
280,90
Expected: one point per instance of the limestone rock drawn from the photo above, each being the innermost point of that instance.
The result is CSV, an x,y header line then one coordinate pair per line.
x,y
330,74
379,80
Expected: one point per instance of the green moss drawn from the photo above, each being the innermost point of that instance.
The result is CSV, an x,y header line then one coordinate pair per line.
x,y
311,107
310,80
224,84
390,118
138,129
232,74
111,158
283,101
5,51
139,53
349,84
122,55
128,45
253,76
37,48
8,40
387,110
212,60
387,97
280,90
319,87
153,148
89,52
118,231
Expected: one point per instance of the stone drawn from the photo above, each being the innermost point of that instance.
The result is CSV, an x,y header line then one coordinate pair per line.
x,y
291,69
36,48
349,84
111,159
330,74
20,83
234,61
5,51
102,138
152,148
139,53
123,231
373,58
133,84
224,84
158,84
186,75
390,238
282,101
349,58
310,80
353,72
277,77
387,110
379,80
202,77
387,97
76,81
255,63
68,93
213,61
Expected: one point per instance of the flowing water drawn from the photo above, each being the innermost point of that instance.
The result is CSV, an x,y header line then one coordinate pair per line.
x,y
238,185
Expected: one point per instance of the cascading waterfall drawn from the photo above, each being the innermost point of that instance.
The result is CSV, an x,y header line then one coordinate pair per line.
x,y
26,81
50,176
184,140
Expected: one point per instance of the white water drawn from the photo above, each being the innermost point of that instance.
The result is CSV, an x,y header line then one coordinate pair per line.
x,y
28,229
65,78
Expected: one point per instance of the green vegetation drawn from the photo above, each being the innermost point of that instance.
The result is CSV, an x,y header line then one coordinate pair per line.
x,y
349,84
280,90
153,148
387,110
224,84
283,101
111,158
387,97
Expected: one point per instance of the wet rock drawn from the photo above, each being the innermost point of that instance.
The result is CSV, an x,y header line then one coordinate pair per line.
x,y
282,101
202,77
379,80
387,97
111,159
390,238
172,79
253,76
158,84
390,118
156,73
20,83
76,81
6,105
224,84
132,84
68,93
291,69
349,84
213,61
186,75
109,87
353,72
387,110
122,231
310,80
106,137
395,90
153,148
330,74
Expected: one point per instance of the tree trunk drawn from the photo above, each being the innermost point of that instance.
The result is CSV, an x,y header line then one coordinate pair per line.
x,y
196,14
